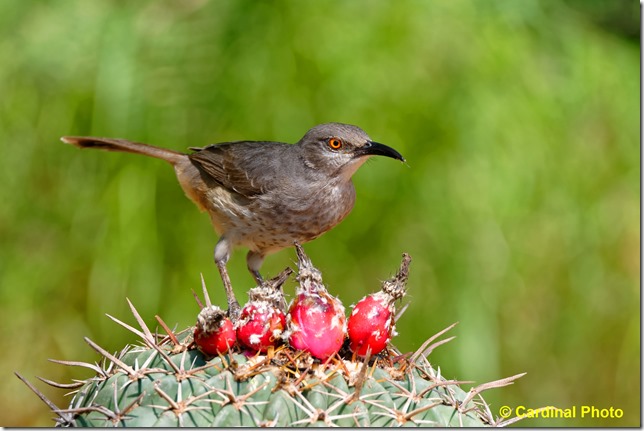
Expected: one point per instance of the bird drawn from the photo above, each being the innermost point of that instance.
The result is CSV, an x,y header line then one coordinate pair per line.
x,y
264,195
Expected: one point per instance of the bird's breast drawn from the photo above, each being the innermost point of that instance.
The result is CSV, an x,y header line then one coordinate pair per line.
x,y
300,218
276,219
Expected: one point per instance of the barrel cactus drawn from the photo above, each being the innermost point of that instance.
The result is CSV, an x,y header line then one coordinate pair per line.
x,y
166,380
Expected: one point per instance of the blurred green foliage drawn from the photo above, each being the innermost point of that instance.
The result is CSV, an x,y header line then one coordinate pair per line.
x,y
519,202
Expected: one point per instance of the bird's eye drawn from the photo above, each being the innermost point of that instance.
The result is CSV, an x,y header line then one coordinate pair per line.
x,y
335,143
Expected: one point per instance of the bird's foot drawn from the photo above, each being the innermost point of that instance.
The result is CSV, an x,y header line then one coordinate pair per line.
x,y
234,310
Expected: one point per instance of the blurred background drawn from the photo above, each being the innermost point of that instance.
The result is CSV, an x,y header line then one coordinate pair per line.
x,y
519,202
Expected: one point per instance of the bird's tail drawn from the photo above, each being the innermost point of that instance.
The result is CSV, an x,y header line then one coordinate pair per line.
x,y
110,144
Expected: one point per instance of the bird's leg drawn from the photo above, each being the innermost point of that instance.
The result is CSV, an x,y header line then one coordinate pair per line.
x,y
233,306
222,253
254,261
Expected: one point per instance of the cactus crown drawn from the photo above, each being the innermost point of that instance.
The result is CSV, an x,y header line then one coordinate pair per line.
x,y
166,381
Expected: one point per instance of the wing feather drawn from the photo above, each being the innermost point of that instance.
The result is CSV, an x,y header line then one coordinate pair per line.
x,y
245,167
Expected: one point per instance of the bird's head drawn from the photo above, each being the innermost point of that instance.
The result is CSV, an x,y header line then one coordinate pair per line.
x,y
340,149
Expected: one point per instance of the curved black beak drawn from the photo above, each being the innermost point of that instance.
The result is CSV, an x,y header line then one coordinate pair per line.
x,y
372,148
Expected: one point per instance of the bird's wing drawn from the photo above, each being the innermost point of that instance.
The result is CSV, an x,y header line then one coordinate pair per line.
x,y
246,167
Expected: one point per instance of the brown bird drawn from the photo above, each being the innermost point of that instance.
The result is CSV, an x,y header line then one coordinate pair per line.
x,y
265,195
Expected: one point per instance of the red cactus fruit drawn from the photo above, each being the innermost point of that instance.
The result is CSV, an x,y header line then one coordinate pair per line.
x,y
371,323
262,326
317,324
214,333
262,320
316,321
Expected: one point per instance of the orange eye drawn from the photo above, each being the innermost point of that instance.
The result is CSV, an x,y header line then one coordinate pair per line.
x,y
335,143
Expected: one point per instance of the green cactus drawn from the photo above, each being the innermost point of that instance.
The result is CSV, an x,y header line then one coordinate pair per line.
x,y
167,382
